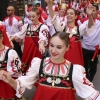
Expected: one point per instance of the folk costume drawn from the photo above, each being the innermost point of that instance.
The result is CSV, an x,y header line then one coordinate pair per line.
x,y
13,25
10,62
74,54
32,35
57,81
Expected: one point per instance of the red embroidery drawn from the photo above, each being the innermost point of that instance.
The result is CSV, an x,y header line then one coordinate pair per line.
x,y
45,33
85,81
50,65
65,82
12,63
42,79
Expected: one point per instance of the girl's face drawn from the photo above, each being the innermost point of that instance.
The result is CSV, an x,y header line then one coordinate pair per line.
x,y
33,17
62,12
57,48
71,15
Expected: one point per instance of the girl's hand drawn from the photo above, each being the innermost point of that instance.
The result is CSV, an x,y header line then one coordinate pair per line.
x,y
5,76
41,48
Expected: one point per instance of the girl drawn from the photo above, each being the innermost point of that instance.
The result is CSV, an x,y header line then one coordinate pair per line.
x,y
58,77
10,62
61,15
35,38
74,54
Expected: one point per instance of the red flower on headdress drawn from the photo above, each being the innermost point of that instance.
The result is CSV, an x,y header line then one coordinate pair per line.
x,y
42,14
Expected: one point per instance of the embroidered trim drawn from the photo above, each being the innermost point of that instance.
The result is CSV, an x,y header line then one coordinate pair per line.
x,y
67,67
57,87
18,89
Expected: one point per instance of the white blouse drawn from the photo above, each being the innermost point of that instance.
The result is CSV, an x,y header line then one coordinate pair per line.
x,y
12,67
43,32
84,88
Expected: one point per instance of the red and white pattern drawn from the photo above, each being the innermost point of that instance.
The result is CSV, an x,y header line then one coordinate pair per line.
x,y
49,66
13,26
83,90
12,68
34,27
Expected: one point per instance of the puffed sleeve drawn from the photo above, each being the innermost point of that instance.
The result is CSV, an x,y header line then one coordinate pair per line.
x,y
20,24
30,78
59,26
84,30
43,34
13,63
21,34
84,88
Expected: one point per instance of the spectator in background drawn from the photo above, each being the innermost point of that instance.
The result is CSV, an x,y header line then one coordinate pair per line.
x,y
13,25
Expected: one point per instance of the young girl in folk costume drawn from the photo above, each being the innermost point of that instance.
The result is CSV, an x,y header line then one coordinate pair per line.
x,y
9,61
61,15
57,76
35,38
74,54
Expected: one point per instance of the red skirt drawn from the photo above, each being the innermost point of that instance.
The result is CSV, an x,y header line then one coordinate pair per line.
x,y
53,93
6,91
30,50
74,54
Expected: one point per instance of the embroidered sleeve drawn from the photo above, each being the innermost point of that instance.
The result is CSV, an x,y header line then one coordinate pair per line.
x,y
84,88
13,64
30,78
20,89
22,33
94,96
43,34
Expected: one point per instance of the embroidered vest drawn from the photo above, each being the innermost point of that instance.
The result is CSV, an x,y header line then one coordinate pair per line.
x,y
32,33
55,80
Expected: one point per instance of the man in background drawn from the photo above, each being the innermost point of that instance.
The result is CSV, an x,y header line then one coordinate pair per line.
x,y
13,25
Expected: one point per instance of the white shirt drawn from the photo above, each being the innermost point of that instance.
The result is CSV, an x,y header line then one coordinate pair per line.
x,y
91,36
12,69
42,32
16,25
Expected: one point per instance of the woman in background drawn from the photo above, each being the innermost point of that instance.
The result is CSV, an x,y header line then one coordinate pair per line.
x,y
9,62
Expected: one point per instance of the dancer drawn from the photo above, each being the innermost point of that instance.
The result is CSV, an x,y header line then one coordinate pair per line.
x,y
74,54
35,36
57,76
10,62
